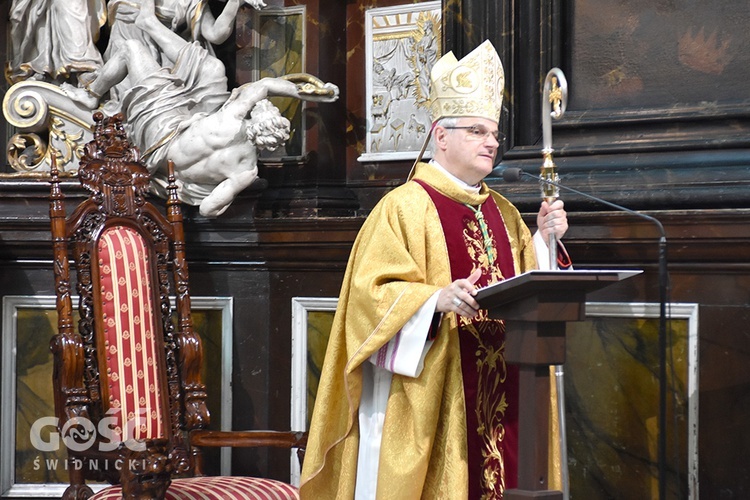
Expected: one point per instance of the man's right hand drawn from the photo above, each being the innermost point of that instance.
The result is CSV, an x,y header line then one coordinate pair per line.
x,y
458,297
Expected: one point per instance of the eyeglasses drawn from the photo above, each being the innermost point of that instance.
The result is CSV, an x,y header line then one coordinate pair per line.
x,y
480,133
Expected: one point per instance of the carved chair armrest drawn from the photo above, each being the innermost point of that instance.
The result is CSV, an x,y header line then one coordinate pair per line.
x,y
249,439
252,439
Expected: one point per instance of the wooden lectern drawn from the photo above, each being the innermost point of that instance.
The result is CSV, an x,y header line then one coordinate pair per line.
x,y
536,307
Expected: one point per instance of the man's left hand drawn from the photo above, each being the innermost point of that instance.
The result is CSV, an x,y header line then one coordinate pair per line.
x,y
552,218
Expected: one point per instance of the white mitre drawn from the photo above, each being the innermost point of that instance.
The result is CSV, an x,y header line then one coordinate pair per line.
x,y
472,86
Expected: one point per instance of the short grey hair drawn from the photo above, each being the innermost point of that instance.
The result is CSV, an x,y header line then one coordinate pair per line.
x,y
447,121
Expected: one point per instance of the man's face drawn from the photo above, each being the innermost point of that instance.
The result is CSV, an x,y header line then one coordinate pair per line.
x,y
470,149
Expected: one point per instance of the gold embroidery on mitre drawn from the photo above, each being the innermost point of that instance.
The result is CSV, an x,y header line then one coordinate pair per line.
x,y
472,86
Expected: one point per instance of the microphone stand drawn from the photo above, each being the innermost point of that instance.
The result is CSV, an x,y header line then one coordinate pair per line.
x,y
513,174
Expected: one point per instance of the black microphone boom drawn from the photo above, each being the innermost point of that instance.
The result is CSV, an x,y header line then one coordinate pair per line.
x,y
512,174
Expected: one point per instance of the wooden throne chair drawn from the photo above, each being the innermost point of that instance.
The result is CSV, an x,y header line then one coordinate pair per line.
x,y
128,391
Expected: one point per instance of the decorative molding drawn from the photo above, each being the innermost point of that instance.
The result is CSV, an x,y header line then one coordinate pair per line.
x,y
401,45
34,107
681,311
301,307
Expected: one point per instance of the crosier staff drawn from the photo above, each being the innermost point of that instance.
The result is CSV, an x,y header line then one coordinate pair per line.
x,y
554,102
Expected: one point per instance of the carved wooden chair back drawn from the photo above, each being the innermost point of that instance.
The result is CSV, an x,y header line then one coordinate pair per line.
x,y
127,377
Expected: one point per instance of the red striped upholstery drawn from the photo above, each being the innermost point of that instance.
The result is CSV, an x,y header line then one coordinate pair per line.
x,y
212,487
128,314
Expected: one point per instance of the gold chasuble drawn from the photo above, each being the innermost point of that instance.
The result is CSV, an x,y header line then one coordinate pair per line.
x,y
451,432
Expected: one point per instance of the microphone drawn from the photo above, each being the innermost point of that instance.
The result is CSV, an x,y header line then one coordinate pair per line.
x,y
513,174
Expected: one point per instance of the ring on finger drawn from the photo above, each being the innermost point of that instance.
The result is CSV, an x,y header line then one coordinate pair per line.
x,y
457,302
